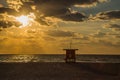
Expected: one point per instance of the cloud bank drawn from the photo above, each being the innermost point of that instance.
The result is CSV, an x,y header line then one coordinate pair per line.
x,y
60,9
56,8
108,15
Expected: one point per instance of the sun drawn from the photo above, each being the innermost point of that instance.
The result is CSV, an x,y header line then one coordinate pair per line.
x,y
25,20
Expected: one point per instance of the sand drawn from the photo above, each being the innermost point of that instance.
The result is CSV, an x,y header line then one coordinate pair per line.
x,y
59,71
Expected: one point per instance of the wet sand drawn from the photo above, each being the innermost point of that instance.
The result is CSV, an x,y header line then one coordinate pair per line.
x,y
59,71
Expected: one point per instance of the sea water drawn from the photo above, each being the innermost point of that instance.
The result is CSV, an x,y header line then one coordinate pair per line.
x,y
58,58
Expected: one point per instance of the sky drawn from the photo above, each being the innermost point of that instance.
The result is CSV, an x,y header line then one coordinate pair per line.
x,y
49,26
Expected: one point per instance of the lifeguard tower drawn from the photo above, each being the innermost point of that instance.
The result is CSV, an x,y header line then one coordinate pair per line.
x,y
70,55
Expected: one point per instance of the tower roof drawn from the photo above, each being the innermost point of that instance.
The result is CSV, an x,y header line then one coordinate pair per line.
x,y
70,49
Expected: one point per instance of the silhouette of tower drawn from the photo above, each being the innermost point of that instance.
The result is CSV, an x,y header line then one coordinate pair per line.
x,y
70,54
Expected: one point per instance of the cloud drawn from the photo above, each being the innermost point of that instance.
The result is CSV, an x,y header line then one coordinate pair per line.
x,y
47,8
7,21
104,38
7,24
107,15
20,46
106,41
26,8
109,43
8,11
1,5
14,4
117,36
60,33
73,17
31,40
100,38
99,34
59,9
114,27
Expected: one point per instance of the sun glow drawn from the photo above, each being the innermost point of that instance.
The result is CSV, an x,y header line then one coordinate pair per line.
x,y
26,20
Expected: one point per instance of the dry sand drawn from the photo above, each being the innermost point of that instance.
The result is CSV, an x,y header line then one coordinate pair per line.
x,y
59,71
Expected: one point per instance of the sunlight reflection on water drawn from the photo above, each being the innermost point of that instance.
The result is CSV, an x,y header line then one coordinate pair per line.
x,y
19,58
58,58
31,58
22,58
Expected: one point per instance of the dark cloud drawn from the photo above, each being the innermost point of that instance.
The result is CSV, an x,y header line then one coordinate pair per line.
x,y
113,35
108,15
60,33
73,17
81,37
7,20
26,8
5,24
99,34
47,8
8,11
105,42
118,36
49,38
115,27
8,24
1,5
58,8
42,21
61,8
64,3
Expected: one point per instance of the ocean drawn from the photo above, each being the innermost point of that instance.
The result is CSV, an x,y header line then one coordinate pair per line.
x,y
8,58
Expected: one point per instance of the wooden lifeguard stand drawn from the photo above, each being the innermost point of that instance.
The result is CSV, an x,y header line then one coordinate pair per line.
x,y
70,55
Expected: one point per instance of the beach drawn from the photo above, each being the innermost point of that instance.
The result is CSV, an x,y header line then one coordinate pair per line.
x,y
59,71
